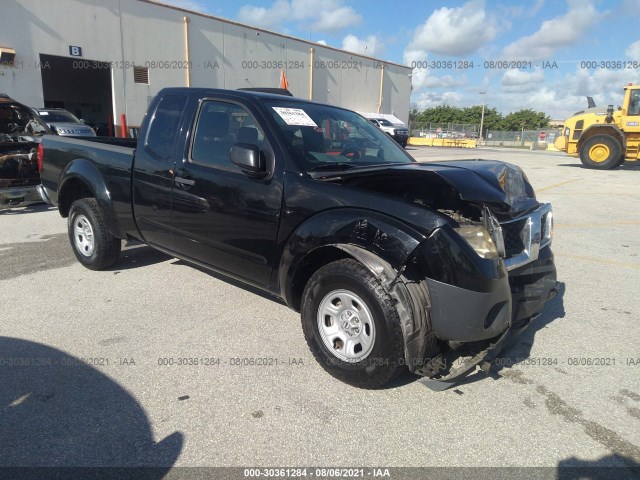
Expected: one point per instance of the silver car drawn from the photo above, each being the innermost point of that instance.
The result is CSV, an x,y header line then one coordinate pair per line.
x,y
65,123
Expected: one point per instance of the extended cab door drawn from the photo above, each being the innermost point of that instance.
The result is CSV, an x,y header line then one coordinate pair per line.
x,y
223,217
153,172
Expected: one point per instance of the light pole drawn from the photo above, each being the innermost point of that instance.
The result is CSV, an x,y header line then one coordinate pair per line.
x,y
484,100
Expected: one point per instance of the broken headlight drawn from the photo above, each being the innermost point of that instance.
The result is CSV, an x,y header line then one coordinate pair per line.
x,y
480,240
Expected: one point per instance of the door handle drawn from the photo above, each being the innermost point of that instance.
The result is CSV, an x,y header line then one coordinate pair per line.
x,y
184,181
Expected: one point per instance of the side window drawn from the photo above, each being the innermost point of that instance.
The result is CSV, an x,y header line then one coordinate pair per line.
x,y
164,126
634,107
220,125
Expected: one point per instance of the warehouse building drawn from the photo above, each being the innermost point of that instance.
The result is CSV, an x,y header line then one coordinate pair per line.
x,y
100,59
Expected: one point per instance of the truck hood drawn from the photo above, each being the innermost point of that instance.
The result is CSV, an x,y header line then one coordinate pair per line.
x,y
503,187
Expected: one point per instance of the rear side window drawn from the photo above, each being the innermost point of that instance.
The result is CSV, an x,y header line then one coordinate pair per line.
x,y
164,126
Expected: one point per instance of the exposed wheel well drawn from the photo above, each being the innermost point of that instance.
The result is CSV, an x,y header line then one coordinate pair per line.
x,y
315,260
71,191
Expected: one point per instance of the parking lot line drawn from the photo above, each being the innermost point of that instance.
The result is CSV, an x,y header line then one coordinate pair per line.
x,y
559,184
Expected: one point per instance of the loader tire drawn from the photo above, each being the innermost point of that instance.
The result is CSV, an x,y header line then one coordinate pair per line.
x,y
601,152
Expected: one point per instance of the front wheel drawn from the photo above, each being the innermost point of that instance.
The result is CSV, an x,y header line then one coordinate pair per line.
x,y
351,325
601,152
93,245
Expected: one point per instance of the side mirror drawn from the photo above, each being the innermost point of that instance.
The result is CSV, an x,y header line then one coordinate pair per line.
x,y
249,159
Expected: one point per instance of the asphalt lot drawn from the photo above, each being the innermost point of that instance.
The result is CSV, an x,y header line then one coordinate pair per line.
x,y
541,407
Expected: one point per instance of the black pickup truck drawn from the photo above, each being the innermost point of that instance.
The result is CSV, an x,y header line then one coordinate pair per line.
x,y
393,264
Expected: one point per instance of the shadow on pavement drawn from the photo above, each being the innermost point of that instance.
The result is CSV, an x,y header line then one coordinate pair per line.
x,y
611,467
57,411
31,208
627,167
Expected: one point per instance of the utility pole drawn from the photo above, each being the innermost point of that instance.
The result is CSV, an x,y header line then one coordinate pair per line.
x,y
484,100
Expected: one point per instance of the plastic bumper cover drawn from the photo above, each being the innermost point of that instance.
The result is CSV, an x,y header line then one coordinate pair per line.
x,y
11,196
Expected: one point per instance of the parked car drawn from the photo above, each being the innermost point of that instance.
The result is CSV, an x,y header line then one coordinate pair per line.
x,y
65,123
399,133
21,130
391,263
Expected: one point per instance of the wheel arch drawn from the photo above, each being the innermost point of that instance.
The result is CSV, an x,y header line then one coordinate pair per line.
x,y
609,130
381,243
82,179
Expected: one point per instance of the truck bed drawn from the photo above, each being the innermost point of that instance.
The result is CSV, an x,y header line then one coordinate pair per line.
x,y
91,158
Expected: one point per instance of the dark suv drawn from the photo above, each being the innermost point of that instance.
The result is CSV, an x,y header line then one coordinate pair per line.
x,y
65,123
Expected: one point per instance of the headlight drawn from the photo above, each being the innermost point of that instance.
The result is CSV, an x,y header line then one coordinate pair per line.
x,y
480,240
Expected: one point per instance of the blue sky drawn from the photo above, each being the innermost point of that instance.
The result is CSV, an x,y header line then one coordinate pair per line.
x,y
540,54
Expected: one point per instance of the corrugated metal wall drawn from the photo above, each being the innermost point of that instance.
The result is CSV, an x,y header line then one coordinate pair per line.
x,y
222,55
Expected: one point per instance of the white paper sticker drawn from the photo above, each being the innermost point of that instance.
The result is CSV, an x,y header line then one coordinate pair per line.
x,y
43,113
295,116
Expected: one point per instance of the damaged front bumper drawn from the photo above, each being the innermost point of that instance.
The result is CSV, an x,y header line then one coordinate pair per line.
x,y
531,286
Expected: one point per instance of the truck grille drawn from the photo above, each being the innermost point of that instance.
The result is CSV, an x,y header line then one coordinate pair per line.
x,y
525,236
512,233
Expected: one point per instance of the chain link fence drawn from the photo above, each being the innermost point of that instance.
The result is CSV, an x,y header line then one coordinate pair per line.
x,y
523,139
443,130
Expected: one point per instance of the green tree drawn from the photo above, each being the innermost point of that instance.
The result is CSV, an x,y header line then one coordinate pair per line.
x,y
528,118
492,118
440,114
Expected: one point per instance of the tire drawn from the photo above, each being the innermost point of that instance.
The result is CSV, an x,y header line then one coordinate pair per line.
x,y
93,245
351,325
601,152
404,144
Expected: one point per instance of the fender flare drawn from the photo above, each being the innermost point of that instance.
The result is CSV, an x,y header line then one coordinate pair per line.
x,y
603,129
83,171
377,234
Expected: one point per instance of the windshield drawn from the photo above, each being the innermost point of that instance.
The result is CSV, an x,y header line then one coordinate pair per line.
x,y
16,119
384,122
58,116
322,137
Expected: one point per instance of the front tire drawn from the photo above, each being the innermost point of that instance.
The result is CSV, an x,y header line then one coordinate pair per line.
x,y
93,245
601,152
352,326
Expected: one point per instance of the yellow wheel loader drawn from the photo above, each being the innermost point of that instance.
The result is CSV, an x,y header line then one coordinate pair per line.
x,y
604,138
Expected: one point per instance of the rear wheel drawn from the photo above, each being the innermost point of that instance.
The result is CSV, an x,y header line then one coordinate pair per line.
x,y
601,152
93,245
352,326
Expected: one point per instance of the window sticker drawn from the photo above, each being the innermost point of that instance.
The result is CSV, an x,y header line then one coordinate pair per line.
x,y
295,116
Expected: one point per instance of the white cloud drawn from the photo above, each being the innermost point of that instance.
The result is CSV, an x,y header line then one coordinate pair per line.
x,y
365,46
321,42
521,77
421,77
336,19
520,81
188,5
523,10
562,31
633,50
265,17
430,99
455,31
320,15
565,95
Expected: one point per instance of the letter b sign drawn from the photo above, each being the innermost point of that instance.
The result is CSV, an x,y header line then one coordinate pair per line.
x,y
75,51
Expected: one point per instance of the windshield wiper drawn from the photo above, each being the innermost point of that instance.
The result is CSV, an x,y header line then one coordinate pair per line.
x,y
333,166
